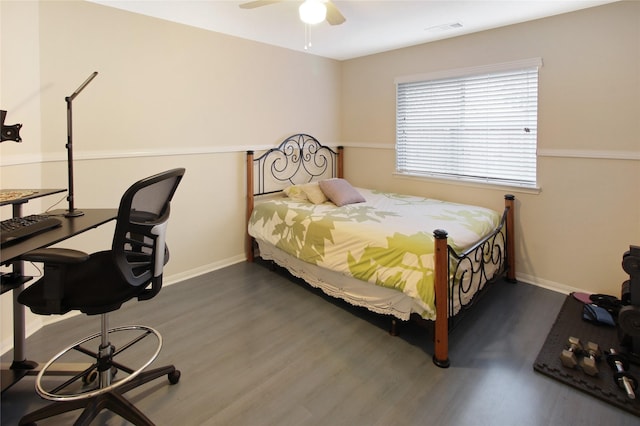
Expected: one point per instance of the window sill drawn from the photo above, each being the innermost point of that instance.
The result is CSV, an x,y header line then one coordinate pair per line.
x,y
469,183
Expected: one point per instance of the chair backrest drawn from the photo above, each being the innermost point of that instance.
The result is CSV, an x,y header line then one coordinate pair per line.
x,y
139,246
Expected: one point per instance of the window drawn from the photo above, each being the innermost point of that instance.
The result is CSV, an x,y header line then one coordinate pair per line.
x,y
477,125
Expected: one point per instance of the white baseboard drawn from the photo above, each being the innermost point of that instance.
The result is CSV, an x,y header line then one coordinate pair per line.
x,y
176,278
546,284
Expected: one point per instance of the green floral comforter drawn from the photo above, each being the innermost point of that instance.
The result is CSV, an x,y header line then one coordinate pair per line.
x,y
387,240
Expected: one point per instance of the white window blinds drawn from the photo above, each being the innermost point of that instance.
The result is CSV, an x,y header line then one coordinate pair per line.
x,y
476,125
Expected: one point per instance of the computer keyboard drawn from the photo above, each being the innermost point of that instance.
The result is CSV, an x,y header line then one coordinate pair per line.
x,y
19,228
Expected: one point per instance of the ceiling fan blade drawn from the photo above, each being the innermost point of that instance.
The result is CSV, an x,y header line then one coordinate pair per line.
x,y
334,17
258,3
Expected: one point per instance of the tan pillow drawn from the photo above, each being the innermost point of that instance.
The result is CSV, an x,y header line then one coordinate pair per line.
x,y
340,192
296,193
314,193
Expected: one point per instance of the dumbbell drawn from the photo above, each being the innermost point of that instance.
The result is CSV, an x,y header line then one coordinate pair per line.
x,y
591,358
623,379
568,356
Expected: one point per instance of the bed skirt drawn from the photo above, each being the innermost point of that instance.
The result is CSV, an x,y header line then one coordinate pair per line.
x,y
377,299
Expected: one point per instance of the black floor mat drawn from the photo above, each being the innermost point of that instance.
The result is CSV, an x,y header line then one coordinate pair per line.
x,y
570,323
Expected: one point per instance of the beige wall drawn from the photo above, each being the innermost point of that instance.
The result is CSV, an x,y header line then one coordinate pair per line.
x,y
573,233
168,95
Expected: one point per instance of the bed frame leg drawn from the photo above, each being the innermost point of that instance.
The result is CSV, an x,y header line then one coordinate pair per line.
x,y
441,364
393,330
509,202
441,284
248,240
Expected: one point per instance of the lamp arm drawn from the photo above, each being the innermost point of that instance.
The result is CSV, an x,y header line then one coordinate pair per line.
x,y
72,212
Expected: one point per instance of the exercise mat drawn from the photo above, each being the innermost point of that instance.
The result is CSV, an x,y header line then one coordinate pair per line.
x,y
570,323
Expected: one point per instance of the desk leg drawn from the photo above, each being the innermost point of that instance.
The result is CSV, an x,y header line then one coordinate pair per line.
x,y
19,323
20,366
19,334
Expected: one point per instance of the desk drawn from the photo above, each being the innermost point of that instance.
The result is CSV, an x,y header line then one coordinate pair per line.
x,y
71,226
17,198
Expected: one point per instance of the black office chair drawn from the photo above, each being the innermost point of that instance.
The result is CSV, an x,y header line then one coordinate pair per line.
x,y
98,284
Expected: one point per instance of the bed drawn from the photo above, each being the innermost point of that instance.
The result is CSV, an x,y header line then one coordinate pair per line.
x,y
399,255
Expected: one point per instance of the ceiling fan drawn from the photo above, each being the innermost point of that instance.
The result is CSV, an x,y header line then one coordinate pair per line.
x,y
327,8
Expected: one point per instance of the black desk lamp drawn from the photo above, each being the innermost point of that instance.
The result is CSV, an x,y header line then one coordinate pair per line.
x,y
72,212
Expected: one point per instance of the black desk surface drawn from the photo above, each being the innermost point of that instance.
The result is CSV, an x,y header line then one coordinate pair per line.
x,y
71,226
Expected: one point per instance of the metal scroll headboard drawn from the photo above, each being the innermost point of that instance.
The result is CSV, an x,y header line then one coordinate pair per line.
x,y
298,159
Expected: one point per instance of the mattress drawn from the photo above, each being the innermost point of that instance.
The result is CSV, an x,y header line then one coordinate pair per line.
x,y
386,241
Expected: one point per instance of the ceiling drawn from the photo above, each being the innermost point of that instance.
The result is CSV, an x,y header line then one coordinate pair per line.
x,y
370,27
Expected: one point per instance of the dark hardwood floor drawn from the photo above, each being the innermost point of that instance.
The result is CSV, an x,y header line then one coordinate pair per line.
x,y
256,348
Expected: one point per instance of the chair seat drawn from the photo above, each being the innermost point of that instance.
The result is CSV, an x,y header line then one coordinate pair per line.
x,y
92,287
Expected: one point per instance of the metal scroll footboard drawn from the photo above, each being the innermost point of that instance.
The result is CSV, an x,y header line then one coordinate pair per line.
x,y
451,267
471,270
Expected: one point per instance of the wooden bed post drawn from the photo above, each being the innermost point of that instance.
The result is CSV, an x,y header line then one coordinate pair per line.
x,y
340,162
249,242
441,286
509,202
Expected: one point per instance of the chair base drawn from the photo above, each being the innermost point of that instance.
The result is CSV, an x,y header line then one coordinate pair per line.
x,y
104,366
102,360
113,401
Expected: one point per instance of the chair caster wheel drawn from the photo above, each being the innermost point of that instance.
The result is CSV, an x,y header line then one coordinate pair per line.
x,y
174,377
90,377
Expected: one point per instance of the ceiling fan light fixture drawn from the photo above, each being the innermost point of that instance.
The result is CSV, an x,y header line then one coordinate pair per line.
x,y
312,12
